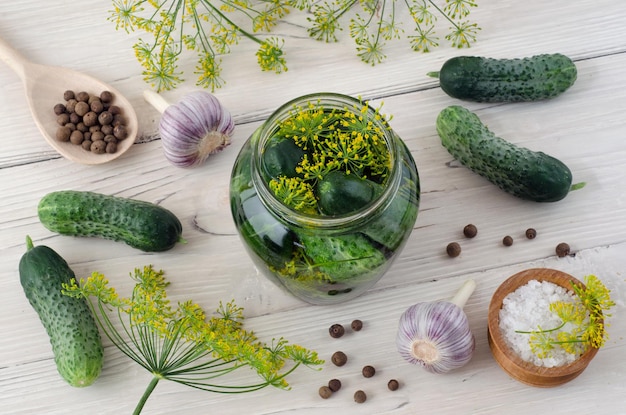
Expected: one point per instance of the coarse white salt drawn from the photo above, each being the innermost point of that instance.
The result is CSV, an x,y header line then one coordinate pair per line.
x,y
526,309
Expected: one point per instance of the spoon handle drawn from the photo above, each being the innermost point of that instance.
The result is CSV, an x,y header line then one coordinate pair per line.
x,y
156,100
13,58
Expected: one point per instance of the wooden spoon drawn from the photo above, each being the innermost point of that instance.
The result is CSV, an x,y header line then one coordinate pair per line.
x,y
45,86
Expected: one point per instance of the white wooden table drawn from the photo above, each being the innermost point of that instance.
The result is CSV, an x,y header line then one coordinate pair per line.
x,y
585,128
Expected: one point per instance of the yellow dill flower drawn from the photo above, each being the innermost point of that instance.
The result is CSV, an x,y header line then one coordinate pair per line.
x,y
180,344
294,193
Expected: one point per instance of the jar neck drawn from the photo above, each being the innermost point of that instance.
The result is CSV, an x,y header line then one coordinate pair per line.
x,y
327,101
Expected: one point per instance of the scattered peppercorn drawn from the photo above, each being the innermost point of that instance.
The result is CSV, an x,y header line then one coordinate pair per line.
x,y
325,392
470,231
339,358
334,385
393,385
562,250
336,331
83,113
507,241
357,325
531,233
368,371
360,396
453,249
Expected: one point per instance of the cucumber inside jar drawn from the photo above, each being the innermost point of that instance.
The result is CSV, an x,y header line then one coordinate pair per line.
x,y
324,195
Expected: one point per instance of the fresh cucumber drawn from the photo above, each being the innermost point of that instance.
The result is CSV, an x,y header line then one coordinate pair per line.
x,y
74,335
140,224
526,174
482,79
340,193
342,257
281,156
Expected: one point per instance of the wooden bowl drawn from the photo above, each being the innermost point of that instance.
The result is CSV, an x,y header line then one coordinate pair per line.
x,y
510,361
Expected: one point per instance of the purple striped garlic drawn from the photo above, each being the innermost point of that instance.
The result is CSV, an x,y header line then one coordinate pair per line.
x,y
193,129
436,335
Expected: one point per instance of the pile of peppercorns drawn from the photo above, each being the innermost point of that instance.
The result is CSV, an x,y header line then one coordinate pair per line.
x,y
90,121
453,249
339,358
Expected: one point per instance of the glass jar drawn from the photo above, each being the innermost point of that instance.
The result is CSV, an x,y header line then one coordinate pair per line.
x,y
324,195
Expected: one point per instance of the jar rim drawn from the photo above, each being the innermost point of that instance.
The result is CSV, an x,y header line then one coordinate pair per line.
x,y
324,99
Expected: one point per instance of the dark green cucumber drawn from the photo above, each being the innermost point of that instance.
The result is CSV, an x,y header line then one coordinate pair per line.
x,y
281,156
481,79
342,257
340,193
526,174
74,335
140,224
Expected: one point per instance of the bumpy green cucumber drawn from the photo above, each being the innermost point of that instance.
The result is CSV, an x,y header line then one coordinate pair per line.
x,y
342,257
340,193
526,174
140,224
481,79
73,332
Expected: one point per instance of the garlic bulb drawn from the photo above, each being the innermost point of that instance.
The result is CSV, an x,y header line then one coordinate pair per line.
x,y
193,129
437,335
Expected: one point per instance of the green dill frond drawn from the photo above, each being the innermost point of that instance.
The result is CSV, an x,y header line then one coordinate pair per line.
x,y
180,343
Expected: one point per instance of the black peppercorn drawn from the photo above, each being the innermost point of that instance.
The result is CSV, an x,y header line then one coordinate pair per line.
x,y
393,385
106,96
325,392
334,385
336,331
81,108
105,118
82,96
76,137
470,231
63,134
63,119
562,250
67,95
120,132
96,106
453,249
531,233
507,241
59,109
356,325
98,147
111,148
368,371
360,396
339,358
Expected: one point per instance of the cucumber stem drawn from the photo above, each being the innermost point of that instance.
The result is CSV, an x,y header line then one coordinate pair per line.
x,y
29,243
146,395
433,74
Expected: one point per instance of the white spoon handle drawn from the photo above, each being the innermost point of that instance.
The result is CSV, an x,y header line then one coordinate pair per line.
x,y
156,100
13,58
